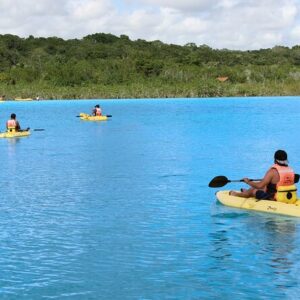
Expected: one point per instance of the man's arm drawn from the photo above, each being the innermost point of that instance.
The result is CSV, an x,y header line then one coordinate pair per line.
x,y
18,127
263,183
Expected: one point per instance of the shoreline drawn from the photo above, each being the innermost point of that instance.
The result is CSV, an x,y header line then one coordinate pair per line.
x,y
157,98
38,92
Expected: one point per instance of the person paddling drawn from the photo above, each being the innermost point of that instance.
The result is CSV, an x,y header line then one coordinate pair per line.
x,y
97,111
277,184
13,124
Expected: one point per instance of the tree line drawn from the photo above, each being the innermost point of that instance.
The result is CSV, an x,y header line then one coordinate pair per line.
x,y
107,66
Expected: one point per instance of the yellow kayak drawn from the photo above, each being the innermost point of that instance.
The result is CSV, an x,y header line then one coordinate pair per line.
x,y
14,134
273,207
88,117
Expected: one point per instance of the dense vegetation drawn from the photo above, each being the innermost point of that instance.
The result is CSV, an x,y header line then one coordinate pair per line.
x,y
106,66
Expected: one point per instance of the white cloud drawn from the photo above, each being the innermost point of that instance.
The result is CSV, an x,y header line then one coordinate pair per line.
x,y
91,9
295,33
232,24
186,5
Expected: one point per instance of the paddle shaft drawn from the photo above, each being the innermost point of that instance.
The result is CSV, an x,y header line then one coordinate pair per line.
x,y
38,129
220,181
242,180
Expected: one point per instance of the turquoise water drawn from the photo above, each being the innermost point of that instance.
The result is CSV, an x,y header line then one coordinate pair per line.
x,y
121,209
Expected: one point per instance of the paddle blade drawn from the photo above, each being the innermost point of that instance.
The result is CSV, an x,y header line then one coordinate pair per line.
x,y
218,181
82,115
39,129
109,116
296,179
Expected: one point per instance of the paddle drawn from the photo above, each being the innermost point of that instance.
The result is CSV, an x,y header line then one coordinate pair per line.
x,y
28,128
108,116
220,181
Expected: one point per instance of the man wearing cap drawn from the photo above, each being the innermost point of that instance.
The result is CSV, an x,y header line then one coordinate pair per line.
x,y
280,174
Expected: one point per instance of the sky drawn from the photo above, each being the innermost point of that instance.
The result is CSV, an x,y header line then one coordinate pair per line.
x,y
230,24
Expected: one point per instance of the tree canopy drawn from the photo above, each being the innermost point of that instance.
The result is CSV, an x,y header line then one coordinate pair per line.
x,y
105,65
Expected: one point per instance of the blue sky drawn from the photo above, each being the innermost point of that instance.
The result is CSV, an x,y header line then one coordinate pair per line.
x,y
231,24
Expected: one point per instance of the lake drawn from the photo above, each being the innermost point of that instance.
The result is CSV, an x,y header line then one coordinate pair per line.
x,y
122,210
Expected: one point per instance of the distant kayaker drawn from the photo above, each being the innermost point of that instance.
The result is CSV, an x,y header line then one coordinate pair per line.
x,y
13,124
97,111
277,184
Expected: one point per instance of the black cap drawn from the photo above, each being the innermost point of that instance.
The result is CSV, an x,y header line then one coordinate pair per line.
x,y
281,157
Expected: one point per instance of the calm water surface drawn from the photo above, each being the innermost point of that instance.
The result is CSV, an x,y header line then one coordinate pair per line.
x,y
121,209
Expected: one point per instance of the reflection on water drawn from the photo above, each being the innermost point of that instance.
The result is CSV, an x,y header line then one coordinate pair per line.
x,y
257,246
280,239
221,243
11,142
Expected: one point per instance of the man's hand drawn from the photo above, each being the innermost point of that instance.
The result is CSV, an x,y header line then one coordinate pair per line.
x,y
246,180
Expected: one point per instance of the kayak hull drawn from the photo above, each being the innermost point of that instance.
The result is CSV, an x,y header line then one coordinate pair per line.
x,y
87,117
14,134
273,207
